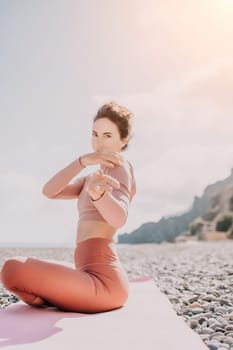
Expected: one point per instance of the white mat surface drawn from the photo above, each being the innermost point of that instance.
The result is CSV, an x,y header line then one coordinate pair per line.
x,y
147,321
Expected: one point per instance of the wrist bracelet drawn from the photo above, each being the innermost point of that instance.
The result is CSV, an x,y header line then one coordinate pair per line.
x,y
98,198
81,162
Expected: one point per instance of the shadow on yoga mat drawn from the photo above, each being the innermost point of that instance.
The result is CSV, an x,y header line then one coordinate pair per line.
x,y
23,324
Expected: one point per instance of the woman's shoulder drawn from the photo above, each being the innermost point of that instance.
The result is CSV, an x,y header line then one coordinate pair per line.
x,y
124,173
126,166
129,165
120,171
133,181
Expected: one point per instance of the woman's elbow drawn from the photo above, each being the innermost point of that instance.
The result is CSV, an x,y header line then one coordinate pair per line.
x,y
43,191
46,193
119,220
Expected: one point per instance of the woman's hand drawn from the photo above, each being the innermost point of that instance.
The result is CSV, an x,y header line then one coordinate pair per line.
x,y
99,182
108,158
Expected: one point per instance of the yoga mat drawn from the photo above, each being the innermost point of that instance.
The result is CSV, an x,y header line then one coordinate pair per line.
x,y
146,321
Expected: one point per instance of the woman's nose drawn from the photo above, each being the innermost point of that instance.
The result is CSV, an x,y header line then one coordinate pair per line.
x,y
99,145
99,148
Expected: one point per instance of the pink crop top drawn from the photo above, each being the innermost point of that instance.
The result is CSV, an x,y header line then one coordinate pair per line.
x,y
111,207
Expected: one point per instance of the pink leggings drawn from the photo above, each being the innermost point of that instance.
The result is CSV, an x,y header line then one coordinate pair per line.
x,y
97,282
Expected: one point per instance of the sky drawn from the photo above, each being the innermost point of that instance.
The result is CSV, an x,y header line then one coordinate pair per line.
x,y
169,62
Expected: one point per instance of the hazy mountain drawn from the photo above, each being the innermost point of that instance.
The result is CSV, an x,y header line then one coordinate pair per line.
x,y
168,228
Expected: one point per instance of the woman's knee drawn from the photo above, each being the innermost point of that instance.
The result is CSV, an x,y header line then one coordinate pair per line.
x,y
10,269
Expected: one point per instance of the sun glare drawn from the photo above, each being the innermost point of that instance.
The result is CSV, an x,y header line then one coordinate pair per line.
x,y
226,4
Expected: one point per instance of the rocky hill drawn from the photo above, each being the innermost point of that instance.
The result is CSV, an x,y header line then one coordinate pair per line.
x,y
204,214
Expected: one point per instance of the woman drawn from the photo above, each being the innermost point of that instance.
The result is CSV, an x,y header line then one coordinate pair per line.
x,y
97,281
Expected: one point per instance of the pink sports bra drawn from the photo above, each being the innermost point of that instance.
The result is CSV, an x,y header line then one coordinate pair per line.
x,y
111,207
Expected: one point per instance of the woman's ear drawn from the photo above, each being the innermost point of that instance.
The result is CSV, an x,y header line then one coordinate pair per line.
x,y
125,141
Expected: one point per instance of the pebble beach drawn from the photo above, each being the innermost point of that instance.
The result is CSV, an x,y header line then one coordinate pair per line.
x,y
196,276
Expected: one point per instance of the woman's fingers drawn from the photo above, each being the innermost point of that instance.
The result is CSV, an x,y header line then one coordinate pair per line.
x,y
107,178
99,172
99,181
111,181
111,158
107,158
108,188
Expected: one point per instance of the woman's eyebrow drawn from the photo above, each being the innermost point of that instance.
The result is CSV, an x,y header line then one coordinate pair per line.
x,y
108,132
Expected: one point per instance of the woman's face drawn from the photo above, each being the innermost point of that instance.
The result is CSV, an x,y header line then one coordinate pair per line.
x,y
106,136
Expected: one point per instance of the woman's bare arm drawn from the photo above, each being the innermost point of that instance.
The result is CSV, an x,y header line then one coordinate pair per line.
x,y
59,183
71,191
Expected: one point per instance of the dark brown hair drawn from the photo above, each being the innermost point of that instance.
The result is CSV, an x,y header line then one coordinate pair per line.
x,y
118,114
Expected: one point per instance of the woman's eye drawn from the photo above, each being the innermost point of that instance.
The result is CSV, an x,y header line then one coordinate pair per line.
x,y
105,135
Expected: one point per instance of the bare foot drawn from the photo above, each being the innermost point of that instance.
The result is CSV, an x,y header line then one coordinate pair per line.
x,y
38,301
